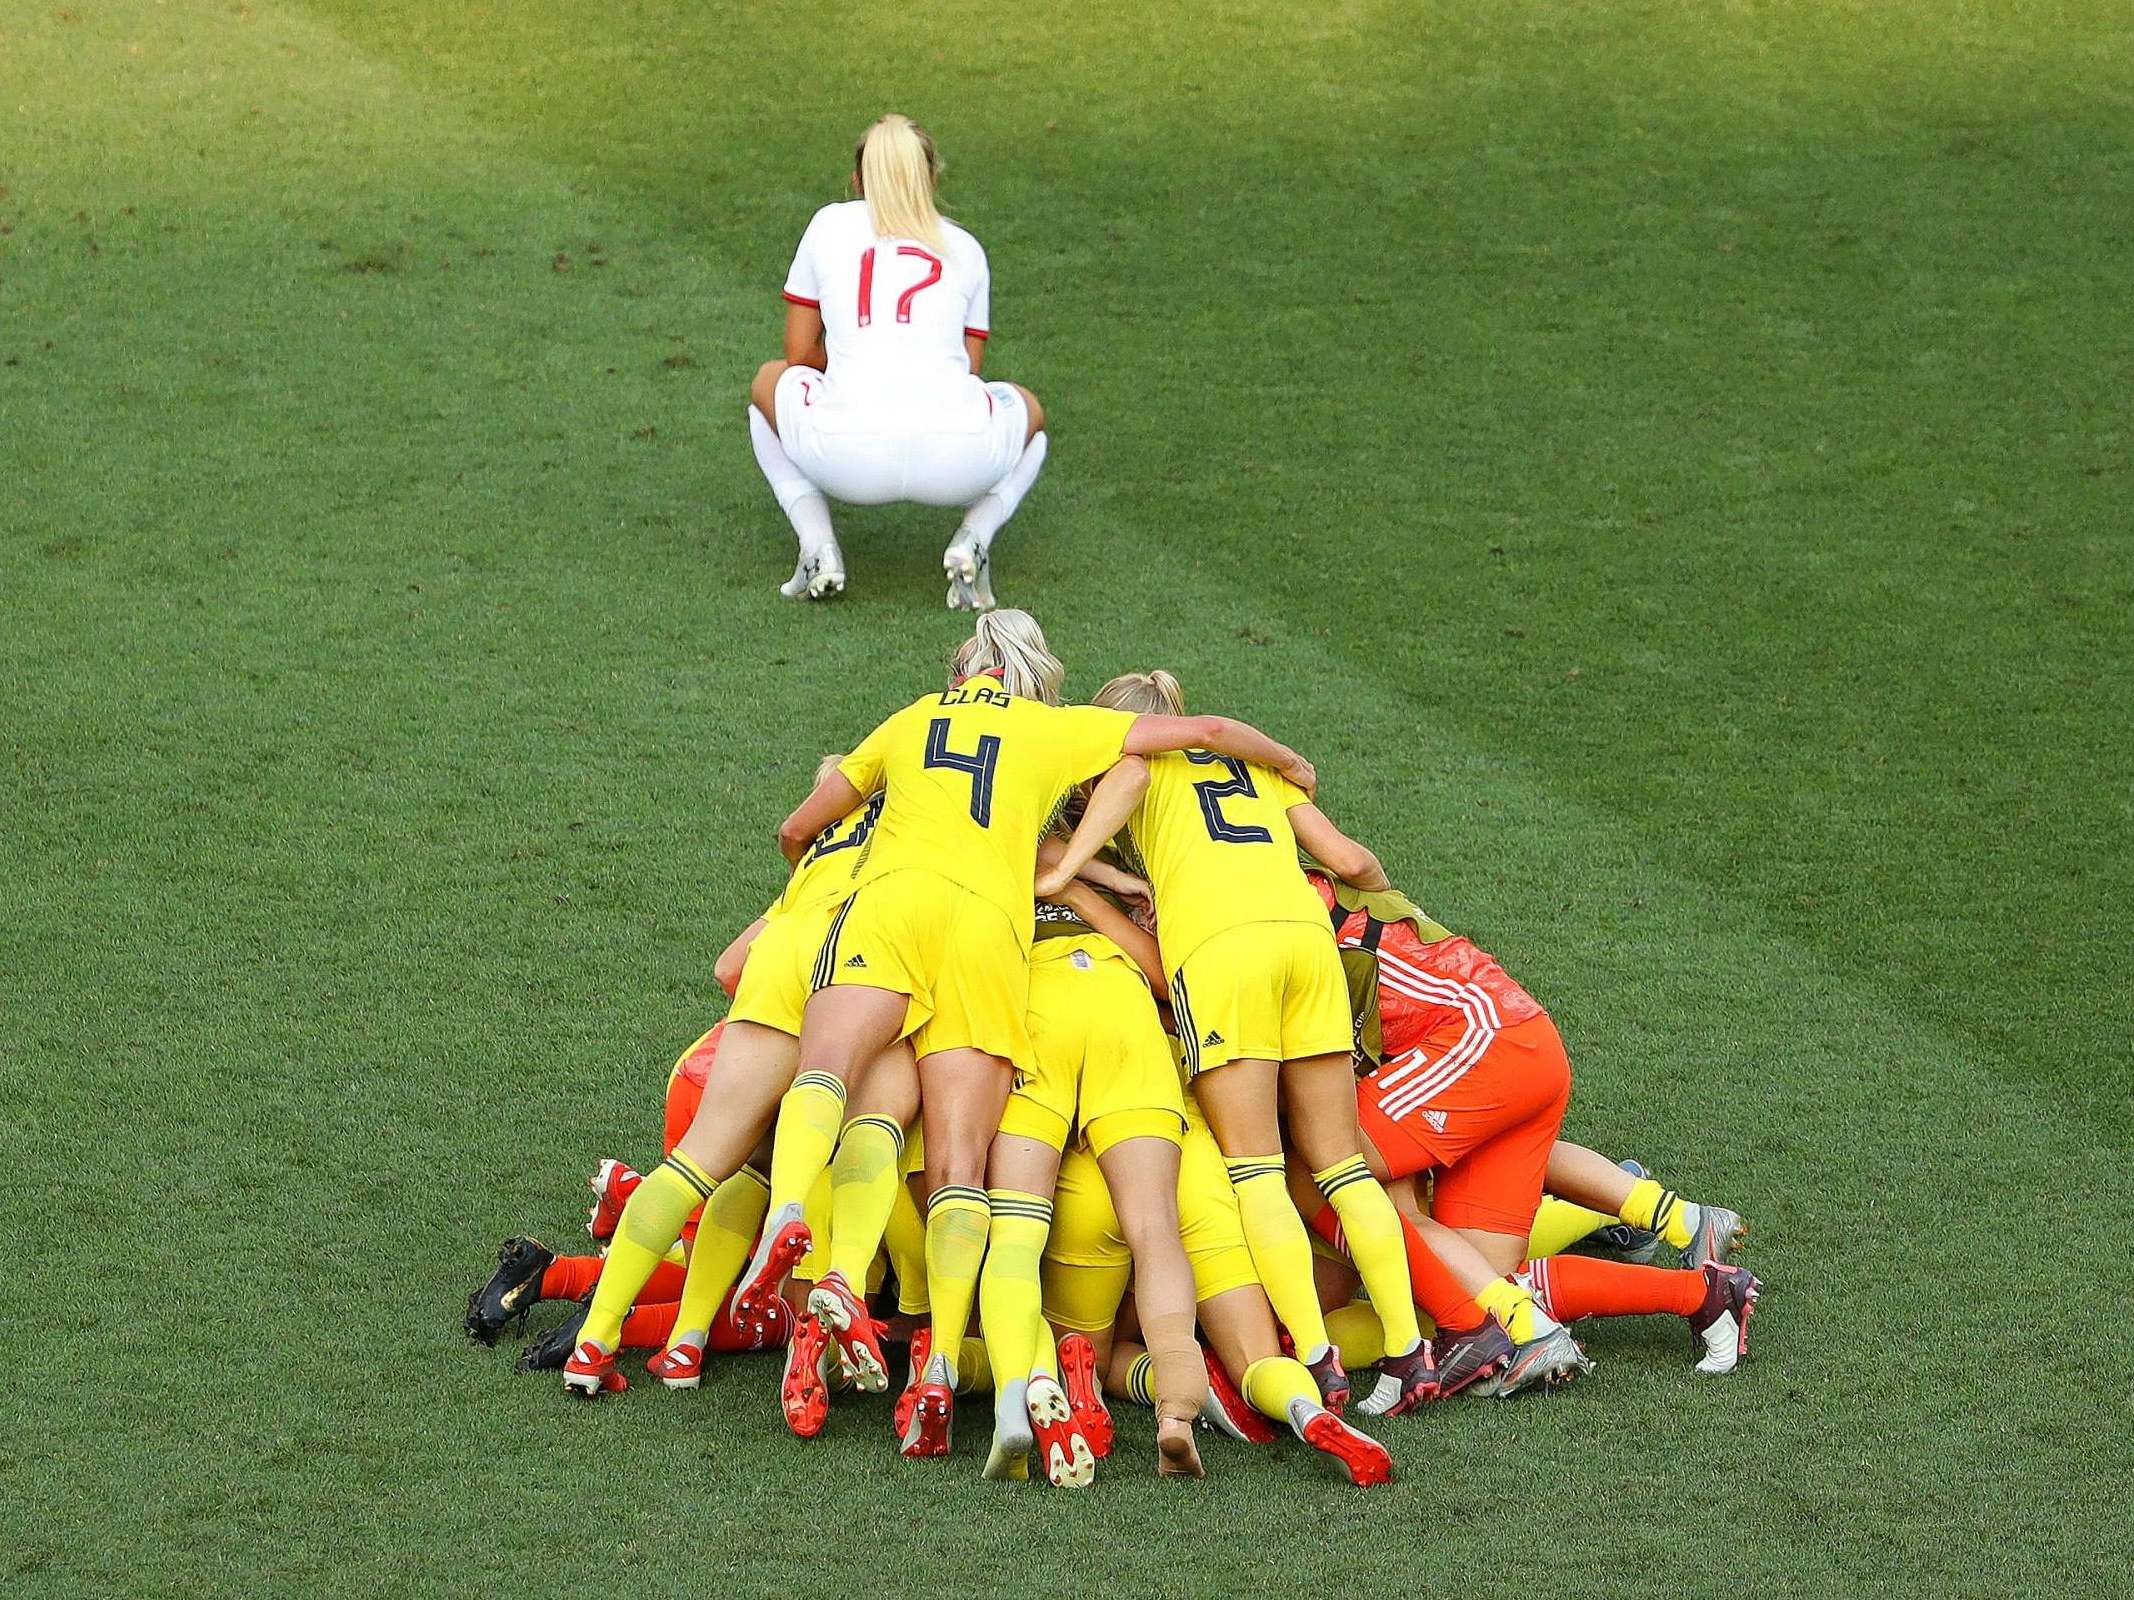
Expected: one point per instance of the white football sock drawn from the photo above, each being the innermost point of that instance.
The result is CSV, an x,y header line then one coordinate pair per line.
x,y
799,499
998,503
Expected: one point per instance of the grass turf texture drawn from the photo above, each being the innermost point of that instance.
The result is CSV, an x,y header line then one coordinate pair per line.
x,y
1668,464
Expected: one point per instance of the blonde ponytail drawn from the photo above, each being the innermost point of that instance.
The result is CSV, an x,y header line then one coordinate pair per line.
x,y
897,169
1149,693
1013,645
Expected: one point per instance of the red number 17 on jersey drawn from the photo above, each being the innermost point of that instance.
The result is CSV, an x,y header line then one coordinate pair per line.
x,y
904,300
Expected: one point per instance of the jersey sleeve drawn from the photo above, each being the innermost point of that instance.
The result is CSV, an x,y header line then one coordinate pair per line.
x,y
803,284
1091,739
1280,790
863,768
978,315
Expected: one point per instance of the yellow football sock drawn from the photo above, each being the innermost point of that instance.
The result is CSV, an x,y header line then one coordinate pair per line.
x,y
957,1220
1280,1388
1371,1228
1141,1380
974,1373
906,1239
649,1224
864,1179
1011,1302
1514,1309
1558,1225
1660,1211
1274,1233
808,1119
724,1239
1357,1334
1047,1359
815,1212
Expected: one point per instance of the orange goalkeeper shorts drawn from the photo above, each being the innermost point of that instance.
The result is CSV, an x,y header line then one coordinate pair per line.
x,y
1484,1125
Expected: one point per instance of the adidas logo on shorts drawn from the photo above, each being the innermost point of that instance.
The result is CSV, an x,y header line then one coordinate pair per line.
x,y
1212,1039
1436,1119
855,961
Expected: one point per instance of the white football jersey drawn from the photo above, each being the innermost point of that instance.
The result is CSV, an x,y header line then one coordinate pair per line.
x,y
894,312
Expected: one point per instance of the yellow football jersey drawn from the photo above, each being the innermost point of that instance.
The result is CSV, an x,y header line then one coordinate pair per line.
x,y
833,862
1213,834
973,777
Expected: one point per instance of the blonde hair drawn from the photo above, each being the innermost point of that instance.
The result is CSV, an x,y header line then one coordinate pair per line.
x,y
827,765
896,169
1150,693
1013,645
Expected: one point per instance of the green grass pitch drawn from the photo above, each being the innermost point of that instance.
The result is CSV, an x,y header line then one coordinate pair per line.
x,y
1669,464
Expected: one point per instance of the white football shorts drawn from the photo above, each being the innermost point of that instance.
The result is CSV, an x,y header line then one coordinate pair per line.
x,y
944,445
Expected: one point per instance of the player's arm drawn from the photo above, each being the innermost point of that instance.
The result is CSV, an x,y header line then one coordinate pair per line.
x,y
1119,928
974,347
727,969
1225,736
1119,885
1113,881
826,802
1110,804
1334,850
803,337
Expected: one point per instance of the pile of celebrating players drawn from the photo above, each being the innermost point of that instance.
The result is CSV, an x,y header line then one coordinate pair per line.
x,y
1083,1061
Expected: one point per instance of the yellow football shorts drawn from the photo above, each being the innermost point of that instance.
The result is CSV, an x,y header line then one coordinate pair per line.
x,y
956,955
1265,991
1087,1242
775,980
1099,1057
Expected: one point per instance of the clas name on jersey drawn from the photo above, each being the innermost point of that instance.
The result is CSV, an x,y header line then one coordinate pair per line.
x,y
976,696
968,695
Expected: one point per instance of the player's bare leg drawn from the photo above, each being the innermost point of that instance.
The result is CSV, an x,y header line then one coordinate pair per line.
x,y
1239,1325
821,568
1142,1175
968,559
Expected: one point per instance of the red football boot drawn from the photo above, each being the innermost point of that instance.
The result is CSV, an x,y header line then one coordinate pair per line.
x,y
1362,1457
613,1184
1061,1444
679,1366
730,1335
804,1392
590,1372
1229,1411
929,1409
922,1346
1085,1394
785,1240
845,1317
